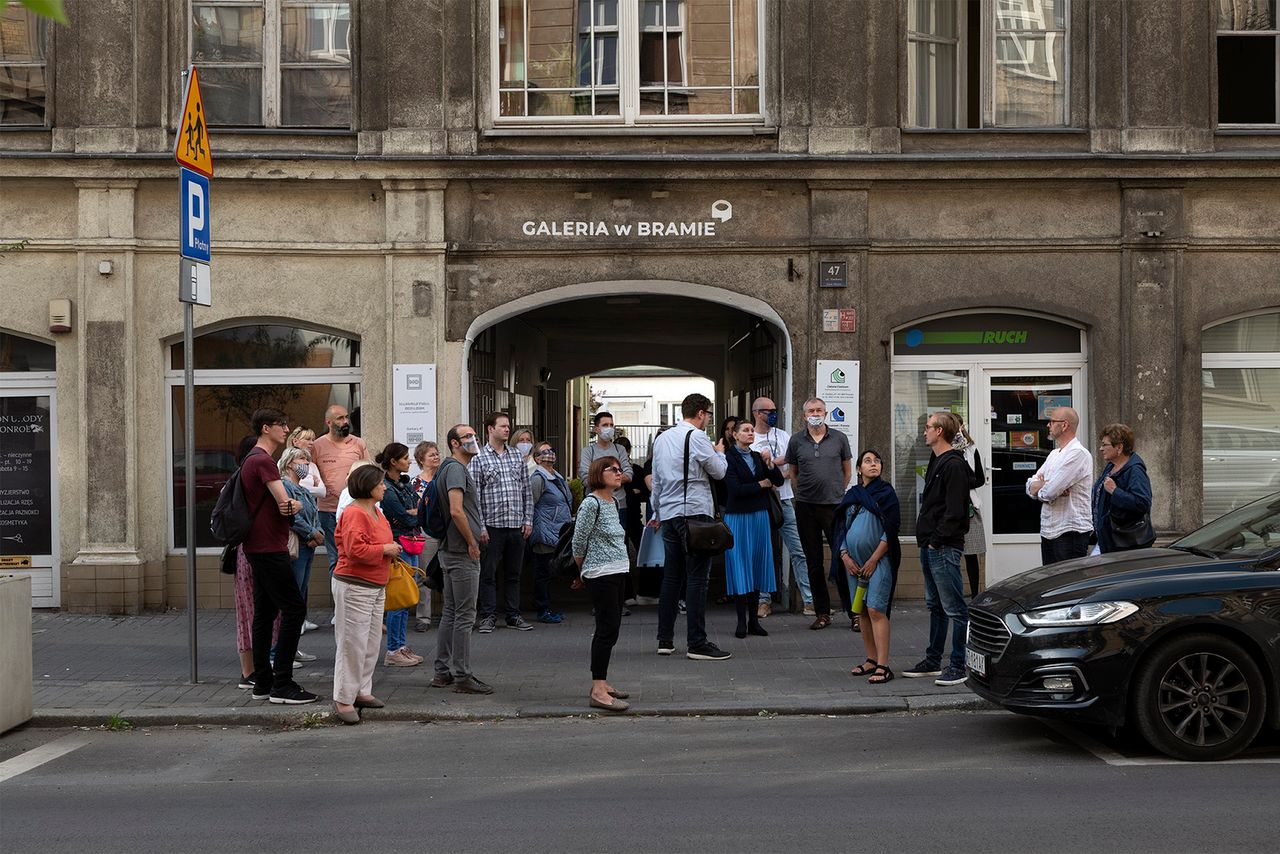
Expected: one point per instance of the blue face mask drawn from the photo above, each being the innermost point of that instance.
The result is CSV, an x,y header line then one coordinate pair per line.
x,y
772,418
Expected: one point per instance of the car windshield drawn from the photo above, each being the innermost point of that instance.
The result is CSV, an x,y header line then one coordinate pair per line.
x,y
1248,532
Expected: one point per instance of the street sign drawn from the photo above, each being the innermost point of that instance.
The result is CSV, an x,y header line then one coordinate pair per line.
x,y
194,283
838,385
195,216
835,274
191,147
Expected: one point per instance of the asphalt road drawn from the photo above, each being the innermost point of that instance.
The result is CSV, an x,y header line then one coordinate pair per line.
x,y
941,782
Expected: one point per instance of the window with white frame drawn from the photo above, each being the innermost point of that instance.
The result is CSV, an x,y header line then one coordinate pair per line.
x,y
274,63
1248,62
987,63
627,62
24,39
238,370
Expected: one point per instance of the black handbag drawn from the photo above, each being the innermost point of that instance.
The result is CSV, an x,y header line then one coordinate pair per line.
x,y
1136,534
705,538
775,510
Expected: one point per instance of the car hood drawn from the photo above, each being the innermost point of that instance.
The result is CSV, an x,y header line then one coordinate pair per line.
x,y
1073,580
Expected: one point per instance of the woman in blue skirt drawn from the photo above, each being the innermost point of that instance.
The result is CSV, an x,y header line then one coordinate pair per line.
x,y
748,566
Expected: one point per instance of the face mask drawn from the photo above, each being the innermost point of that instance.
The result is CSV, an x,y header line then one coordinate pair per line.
x,y
771,418
606,433
344,430
814,420
524,448
301,471
548,458
471,446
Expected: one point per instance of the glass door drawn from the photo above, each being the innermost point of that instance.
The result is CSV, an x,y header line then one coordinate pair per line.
x,y
1017,444
28,491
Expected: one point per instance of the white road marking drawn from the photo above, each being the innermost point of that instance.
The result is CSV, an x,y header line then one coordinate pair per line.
x,y
1119,760
38,756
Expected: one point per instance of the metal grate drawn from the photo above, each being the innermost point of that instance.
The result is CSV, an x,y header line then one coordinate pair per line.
x,y
987,633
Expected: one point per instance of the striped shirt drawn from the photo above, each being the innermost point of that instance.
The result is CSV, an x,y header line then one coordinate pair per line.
x,y
1064,498
503,482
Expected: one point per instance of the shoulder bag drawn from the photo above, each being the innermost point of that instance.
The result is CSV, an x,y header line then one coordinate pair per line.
x,y
402,587
1135,534
704,538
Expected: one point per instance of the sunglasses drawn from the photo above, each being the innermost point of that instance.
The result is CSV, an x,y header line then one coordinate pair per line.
x,y
617,469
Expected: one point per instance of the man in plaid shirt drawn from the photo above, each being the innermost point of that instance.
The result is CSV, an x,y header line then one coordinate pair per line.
x,y
506,520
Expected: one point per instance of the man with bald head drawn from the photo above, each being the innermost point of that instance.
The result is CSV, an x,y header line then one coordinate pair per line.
x,y
771,442
333,453
1062,488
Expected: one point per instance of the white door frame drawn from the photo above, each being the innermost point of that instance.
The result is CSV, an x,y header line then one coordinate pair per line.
x,y
43,384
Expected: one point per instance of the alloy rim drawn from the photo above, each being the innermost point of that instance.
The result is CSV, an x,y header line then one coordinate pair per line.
x,y
1204,699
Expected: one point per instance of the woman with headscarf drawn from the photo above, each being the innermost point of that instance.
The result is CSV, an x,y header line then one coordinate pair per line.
x,y
866,528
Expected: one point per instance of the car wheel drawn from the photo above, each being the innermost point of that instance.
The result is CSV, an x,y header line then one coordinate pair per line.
x,y
1199,697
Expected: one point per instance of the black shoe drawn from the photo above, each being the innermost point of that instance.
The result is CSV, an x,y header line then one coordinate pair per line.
x,y
442,680
757,629
923,668
246,682
708,652
261,690
471,685
666,647
291,694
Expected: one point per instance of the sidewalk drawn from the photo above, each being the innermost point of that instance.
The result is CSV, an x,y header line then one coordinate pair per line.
x,y
89,667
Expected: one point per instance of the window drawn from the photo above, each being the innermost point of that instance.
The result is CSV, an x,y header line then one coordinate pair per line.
x,y
1247,59
627,62
24,38
274,63
987,63
1240,405
916,396
238,370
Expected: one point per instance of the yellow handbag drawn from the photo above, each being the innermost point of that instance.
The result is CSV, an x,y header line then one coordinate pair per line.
x,y
402,587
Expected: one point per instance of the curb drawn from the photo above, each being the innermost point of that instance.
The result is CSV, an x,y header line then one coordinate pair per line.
x,y
277,715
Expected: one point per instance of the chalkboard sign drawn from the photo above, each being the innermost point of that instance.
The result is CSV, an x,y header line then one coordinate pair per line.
x,y
26,475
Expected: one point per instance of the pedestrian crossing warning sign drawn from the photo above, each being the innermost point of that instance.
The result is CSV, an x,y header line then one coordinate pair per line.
x,y
191,148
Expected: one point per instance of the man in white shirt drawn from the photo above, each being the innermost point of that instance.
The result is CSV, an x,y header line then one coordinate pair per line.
x,y
771,442
674,502
1062,488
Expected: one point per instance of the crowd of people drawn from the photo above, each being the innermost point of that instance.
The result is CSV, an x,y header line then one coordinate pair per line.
x,y
477,511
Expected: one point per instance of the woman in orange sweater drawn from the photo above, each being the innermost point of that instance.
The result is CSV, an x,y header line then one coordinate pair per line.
x,y
365,550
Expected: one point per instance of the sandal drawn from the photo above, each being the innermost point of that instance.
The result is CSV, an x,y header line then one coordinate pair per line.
x,y
863,670
855,623
880,675
822,622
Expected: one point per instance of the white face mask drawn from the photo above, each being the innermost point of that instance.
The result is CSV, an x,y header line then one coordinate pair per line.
x,y
471,446
606,433
814,420
524,448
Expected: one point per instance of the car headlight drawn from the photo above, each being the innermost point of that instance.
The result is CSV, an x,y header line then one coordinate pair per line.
x,y
1084,614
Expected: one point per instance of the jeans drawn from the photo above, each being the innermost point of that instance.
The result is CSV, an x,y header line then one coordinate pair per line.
x,y
397,624
275,591
329,524
1066,546
944,597
542,581
302,568
790,535
458,614
690,571
814,522
505,548
606,597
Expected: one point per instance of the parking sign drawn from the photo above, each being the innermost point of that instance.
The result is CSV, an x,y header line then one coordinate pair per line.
x,y
195,215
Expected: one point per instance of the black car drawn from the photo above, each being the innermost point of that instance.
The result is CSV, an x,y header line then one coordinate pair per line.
x,y
1183,642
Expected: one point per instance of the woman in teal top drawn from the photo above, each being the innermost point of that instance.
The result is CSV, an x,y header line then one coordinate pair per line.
x,y
864,524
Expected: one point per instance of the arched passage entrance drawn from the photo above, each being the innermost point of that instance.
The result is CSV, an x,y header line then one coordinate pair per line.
x,y
517,356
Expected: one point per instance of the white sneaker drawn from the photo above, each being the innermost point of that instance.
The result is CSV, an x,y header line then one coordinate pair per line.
x,y
333,621
303,657
632,601
808,610
308,626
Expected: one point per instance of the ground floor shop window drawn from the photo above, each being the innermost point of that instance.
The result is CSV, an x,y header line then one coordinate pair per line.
x,y
916,395
299,371
1240,403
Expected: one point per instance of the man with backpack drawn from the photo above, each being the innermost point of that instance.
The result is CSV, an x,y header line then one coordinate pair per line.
x,y
454,519
266,547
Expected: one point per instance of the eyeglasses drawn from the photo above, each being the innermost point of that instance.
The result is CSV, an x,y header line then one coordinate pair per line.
x,y
546,452
932,427
1057,421
464,437
617,469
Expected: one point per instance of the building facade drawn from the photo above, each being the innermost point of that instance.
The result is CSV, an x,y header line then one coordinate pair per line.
x,y
992,206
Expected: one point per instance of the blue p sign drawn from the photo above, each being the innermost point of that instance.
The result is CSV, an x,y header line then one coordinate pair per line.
x,y
195,216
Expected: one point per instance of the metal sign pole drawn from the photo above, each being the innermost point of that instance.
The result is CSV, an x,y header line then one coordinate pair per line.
x,y
188,419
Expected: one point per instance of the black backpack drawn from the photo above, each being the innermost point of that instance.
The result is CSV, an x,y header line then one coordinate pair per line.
x,y
435,522
232,518
562,561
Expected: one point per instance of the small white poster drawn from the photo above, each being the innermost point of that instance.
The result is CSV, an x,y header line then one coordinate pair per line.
x,y
838,386
413,402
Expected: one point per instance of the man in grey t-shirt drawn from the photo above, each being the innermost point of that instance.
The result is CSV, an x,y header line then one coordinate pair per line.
x,y
460,564
821,465
604,446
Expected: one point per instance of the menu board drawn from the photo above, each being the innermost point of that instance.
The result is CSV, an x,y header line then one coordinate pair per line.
x,y
26,476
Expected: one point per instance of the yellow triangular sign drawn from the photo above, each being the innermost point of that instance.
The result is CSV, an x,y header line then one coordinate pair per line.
x,y
191,148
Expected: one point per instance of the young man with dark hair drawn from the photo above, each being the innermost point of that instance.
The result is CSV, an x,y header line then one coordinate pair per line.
x,y
460,564
506,521
275,590
940,531
674,504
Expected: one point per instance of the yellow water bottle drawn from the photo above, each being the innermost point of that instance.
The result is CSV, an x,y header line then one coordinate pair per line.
x,y
860,594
